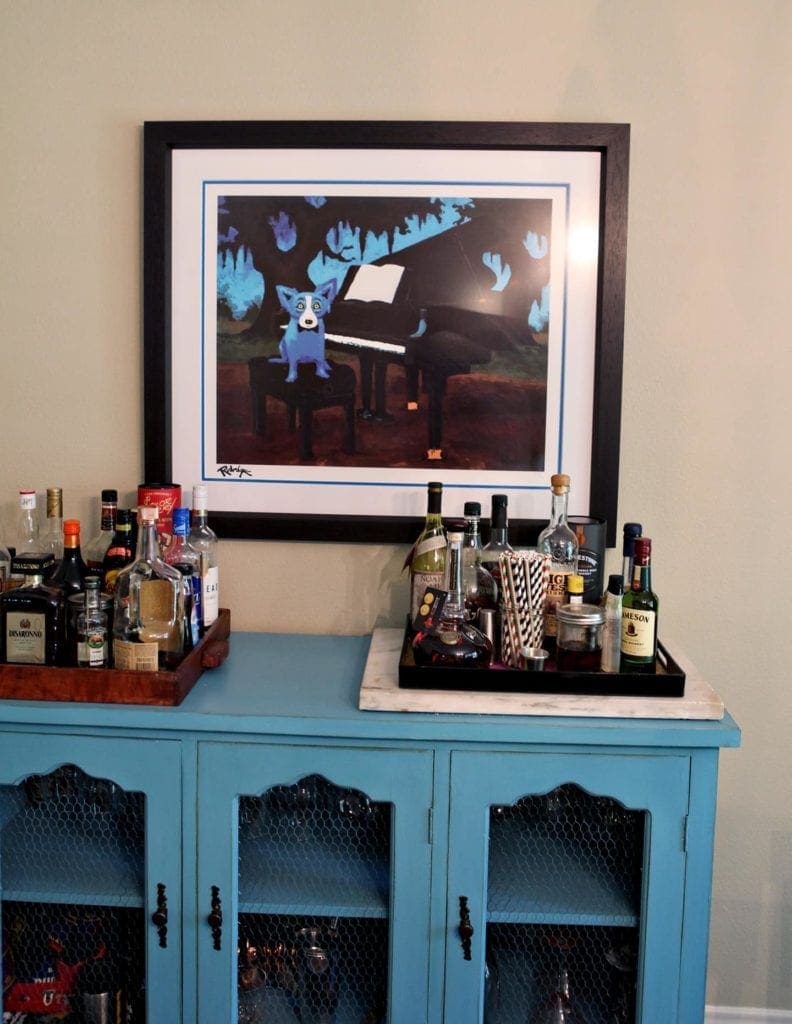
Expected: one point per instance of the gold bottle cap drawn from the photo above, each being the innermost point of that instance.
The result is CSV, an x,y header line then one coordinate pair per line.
x,y
560,483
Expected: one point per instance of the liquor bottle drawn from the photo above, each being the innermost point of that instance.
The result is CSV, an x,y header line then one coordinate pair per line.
x,y
481,590
53,525
148,623
183,556
120,552
32,616
559,542
639,614
453,640
631,532
28,527
427,560
96,548
92,649
611,631
5,566
204,540
70,572
498,542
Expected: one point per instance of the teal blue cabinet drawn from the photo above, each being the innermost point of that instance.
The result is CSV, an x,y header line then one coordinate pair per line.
x,y
266,853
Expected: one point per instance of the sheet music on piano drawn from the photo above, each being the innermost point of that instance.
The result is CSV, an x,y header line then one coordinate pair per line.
x,y
375,282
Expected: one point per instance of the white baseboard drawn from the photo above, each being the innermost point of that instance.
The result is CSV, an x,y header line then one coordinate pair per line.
x,y
745,1015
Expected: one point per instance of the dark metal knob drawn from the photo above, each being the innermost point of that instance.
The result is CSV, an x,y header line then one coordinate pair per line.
x,y
215,918
160,916
465,927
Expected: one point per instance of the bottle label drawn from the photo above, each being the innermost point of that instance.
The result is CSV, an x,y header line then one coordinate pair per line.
x,y
556,591
26,638
421,582
638,632
136,657
210,596
92,649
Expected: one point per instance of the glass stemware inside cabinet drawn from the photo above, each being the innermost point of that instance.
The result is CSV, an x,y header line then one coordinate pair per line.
x,y
314,880
563,912
72,885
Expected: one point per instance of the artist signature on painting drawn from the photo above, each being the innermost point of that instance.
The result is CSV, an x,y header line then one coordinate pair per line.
x,y
237,471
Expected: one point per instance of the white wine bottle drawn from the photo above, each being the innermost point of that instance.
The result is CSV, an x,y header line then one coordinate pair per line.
x,y
427,559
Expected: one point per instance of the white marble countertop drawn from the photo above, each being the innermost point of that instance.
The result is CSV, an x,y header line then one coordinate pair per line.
x,y
380,691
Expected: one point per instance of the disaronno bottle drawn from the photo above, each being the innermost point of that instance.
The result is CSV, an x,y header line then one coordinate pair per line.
x,y
32,616
148,622
639,614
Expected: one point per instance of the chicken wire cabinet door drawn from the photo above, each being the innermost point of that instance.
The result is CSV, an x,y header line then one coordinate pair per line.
x,y
90,878
566,888
314,872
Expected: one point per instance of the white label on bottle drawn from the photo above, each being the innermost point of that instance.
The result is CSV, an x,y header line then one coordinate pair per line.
x,y
638,632
26,638
136,657
210,595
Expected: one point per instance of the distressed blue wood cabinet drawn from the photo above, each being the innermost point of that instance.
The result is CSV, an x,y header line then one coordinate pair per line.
x,y
268,853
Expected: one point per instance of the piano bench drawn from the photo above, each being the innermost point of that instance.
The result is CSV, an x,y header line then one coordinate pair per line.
x,y
302,398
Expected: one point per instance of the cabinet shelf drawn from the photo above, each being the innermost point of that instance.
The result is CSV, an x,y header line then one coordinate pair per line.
x,y
304,877
548,880
61,866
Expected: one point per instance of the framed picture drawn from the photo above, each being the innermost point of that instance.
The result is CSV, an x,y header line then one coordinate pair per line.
x,y
337,313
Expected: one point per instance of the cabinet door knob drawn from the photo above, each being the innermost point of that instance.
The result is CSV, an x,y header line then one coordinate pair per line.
x,y
160,916
215,918
465,927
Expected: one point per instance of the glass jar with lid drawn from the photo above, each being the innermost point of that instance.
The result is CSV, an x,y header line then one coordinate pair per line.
x,y
579,640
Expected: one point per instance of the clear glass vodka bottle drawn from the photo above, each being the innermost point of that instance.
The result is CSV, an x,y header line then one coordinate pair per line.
x,y
92,628
148,621
204,540
558,541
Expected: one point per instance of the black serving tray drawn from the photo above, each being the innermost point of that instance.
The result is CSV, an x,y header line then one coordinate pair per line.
x,y
668,680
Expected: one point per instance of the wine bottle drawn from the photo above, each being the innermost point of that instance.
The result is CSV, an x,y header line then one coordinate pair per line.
x,y
71,571
427,560
639,614
53,526
558,541
498,542
204,540
120,552
96,548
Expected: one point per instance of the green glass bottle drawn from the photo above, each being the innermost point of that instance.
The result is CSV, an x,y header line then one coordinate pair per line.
x,y
427,560
639,614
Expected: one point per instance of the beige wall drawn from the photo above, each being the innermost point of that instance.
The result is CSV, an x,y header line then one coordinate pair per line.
x,y
707,87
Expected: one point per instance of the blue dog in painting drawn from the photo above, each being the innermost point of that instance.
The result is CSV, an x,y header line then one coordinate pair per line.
x,y
304,338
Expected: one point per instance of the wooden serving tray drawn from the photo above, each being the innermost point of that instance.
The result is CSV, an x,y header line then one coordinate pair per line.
x,y
114,686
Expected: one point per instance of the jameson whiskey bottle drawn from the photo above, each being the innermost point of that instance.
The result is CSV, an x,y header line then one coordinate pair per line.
x,y
639,614
427,560
558,541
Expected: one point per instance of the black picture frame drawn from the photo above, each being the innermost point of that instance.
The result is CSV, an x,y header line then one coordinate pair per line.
x,y
609,141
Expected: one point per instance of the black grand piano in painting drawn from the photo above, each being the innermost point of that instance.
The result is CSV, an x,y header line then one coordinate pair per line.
x,y
441,317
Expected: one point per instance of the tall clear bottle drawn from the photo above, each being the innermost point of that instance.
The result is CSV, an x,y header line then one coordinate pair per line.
x,y
92,649
204,540
427,560
639,614
558,541
53,525
148,621
481,590
96,548
28,536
